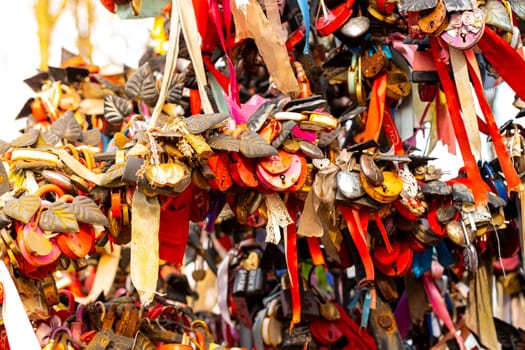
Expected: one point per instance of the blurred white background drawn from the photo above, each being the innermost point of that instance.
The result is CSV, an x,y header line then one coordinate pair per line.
x,y
114,41
118,42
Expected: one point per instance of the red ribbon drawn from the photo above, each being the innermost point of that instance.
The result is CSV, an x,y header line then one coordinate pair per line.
x,y
384,234
454,109
511,176
292,263
195,102
391,132
505,60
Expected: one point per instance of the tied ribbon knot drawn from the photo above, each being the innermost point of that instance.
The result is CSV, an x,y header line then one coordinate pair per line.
x,y
321,197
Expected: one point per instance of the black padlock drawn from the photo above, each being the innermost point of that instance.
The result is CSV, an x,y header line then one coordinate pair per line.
x,y
240,283
255,285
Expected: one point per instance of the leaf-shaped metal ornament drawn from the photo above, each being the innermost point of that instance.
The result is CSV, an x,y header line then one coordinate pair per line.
x,y
462,193
113,176
252,145
25,111
326,138
23,208
436,188
67,127
91,137
4,146
86,210
201,122
518,6
224,142
175,93
59,217
50,138
37,81
261,114
416,5
458,5
27,139
66,55
141,85
116,108
496,15
286,130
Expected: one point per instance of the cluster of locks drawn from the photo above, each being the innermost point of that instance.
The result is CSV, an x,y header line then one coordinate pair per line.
x,y
271,157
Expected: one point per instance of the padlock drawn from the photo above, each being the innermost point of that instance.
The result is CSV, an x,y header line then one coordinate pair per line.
x,y
255,282
240,282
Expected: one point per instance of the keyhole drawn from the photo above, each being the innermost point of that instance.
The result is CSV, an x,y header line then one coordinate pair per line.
x,y
464,37
282,177
431,24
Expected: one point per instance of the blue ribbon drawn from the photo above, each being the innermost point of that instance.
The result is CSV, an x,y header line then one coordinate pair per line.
x,y
218,202
366,305
366,309
444,256
422,262
305,12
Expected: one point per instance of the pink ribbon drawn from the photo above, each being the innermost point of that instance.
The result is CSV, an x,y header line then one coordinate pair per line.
x,y
397,40
439,307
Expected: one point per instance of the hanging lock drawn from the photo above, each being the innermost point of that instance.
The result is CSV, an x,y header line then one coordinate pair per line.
x,y
59,340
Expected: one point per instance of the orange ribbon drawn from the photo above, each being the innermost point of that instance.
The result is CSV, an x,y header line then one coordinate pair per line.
x,y
316,252
356,220
376,110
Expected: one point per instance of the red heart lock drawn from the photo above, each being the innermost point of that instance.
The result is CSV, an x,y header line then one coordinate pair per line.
x,y
401,262
383,257
37,249
219,164
78,244
243,170
282,181
334,19
276,165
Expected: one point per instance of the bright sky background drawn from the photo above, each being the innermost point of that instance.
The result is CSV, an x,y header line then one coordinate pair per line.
x,y
115,41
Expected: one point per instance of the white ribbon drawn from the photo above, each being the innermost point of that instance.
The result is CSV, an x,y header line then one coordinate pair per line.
x,y
222,288
105,276
277,217
144,263
19,330
169,67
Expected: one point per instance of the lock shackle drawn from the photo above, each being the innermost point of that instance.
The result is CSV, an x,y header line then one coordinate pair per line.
x,y
58,330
